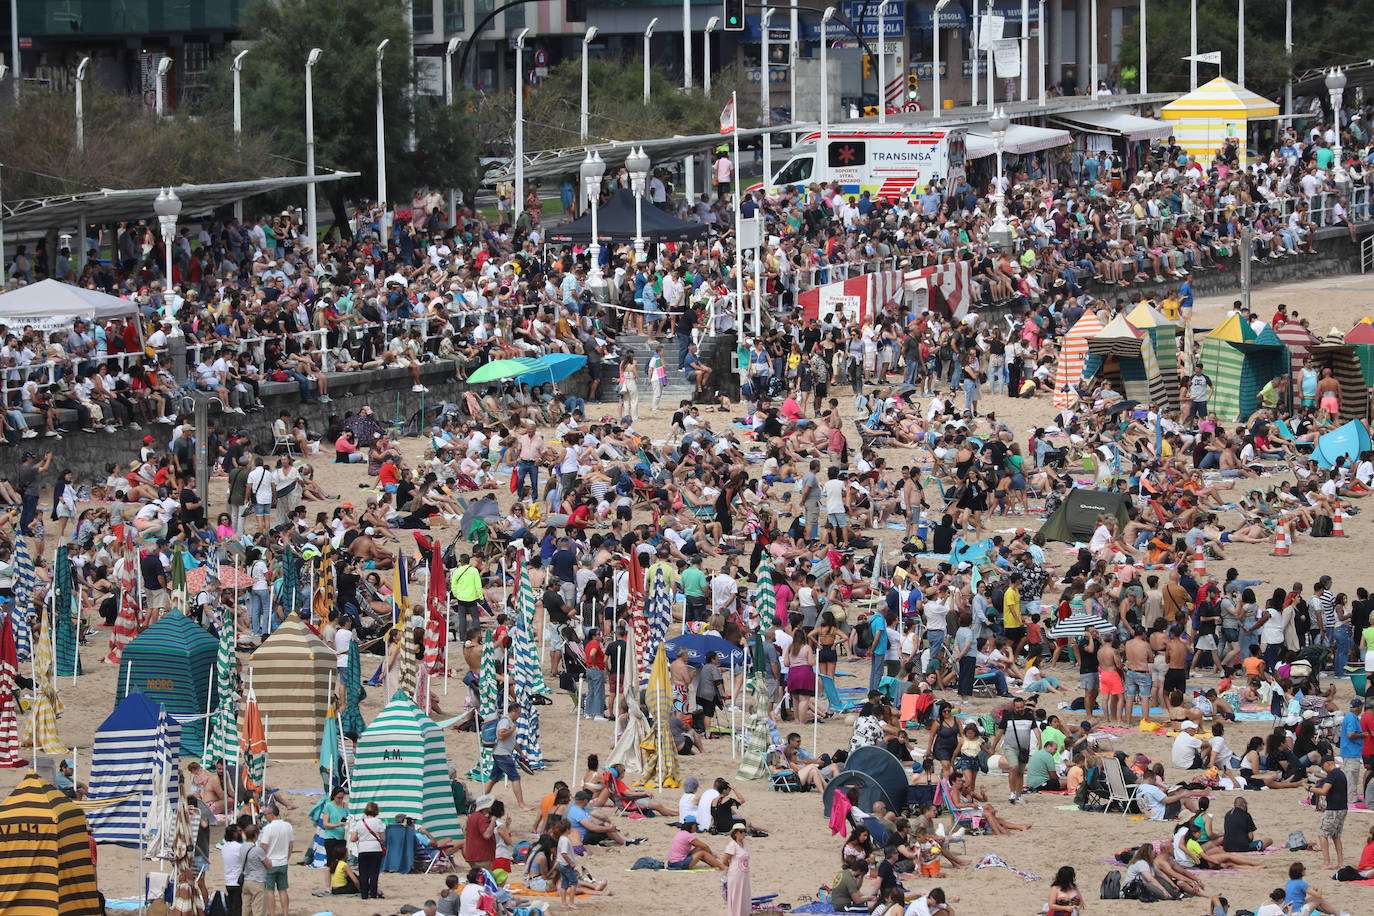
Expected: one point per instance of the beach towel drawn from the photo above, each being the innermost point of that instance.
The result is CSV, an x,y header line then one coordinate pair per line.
x,y
839,813
993,861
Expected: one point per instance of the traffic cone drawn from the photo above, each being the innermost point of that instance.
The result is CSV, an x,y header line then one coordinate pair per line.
x,y
1338,523
1199,564
1281,543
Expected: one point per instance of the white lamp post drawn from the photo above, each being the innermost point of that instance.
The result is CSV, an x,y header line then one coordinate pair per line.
x,y
765,94
237,67
687,44
1024,43
1040,30
162,67
167,206
1192,51
1000,234
637,163
310,225
518,205
1288,52
882,72
935,57
1144,55
1335,84
648,34
587,40
80,119
449,51
591,171
381,143
706,55
823,149
1092,27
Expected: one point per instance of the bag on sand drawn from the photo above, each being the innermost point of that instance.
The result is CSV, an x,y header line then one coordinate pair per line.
x,y
1111,885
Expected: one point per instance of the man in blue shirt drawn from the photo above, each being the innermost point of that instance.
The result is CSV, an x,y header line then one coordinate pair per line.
x,y
930,200
1185,295
1352,742
594,826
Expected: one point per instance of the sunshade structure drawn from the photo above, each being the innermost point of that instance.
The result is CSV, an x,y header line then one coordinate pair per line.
x,y
1124,350
553,368
1332,352
615,222
1075,625
1346,441
527,676
67,612
875,773
223,740
1076,516
400,765
627,756
173,663
661,765
45,854
696,645
1361,336
50,304
498,370
1299,342
487,706
9,696
1073,353
1204,119
134,769
406,676
1020,139
1164,336
351,716
291,673
1115,123
45,705
1240,363
765,597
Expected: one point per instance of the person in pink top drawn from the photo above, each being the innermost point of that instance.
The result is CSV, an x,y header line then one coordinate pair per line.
x,y
687,849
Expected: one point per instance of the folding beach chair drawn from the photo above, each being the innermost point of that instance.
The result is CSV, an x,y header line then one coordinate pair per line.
x,y
1118,793
837,702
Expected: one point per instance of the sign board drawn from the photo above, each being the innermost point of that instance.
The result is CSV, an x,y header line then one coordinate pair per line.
x,y
923,69
1006,54
541,63
853,10
989,31
750,232
894,24
982,67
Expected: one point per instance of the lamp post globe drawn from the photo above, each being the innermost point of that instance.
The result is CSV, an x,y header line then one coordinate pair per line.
x,y
1000,235
637,164
592,169
1335,85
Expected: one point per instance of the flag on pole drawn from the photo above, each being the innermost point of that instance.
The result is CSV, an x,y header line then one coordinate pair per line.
x,y
727,116
1207,57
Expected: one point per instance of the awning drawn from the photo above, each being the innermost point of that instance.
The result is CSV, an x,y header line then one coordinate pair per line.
x,y
1116,123
1020,139
49,304
114,205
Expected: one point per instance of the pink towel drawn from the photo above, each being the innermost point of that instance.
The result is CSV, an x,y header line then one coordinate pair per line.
x,y
839,813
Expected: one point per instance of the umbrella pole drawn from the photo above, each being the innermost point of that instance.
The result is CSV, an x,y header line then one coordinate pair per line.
x,y
143,847
577,735
732,707
448,639
816,713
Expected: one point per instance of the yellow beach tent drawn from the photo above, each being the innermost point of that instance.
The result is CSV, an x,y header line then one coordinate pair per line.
x,y
1207,117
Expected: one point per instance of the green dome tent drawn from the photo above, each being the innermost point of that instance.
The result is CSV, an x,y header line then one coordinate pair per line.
x,y
1076,517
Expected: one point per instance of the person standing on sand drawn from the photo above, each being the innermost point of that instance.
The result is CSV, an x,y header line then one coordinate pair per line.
x,y
1113,685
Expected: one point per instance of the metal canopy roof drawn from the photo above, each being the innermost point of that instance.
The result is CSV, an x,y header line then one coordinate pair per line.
x,y
110,205
1020,139
1116,124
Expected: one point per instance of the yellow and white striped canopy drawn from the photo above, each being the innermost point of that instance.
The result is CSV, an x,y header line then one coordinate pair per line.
x,y
1221,99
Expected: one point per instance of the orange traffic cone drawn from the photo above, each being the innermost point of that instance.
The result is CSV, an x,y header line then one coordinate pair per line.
x,y
1199,564
1281,544
1338,523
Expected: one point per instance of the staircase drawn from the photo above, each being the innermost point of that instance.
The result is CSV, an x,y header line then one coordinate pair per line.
x,y
679,387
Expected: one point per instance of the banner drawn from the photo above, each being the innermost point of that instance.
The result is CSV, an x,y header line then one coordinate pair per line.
x,y
1006,55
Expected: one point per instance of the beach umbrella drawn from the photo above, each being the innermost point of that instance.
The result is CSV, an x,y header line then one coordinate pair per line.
x,y
68,661
184,900
181,598
24,585
527,676
487,707
753,762
126,621
548,370
290,584
326,588
658,611
1122,406
405,680
223,740
228,577
253,745
696,645
662,769
351,718
500,369
46,705
638,622
9,697
1075,625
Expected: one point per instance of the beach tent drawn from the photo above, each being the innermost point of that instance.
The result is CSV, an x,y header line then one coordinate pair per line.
x,y
1164,336
615,222
1076,516
1346,441
45,854
1361,336
876,774
135,769
1132,353
1213,113
1073,352
1299,341
291,676
1240,363
1332,352
51,305
400,765
173,663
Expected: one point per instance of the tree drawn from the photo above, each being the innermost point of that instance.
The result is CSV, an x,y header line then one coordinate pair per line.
x,y
345,97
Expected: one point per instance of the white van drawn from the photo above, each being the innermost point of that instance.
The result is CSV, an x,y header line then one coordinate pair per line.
x,y
887,161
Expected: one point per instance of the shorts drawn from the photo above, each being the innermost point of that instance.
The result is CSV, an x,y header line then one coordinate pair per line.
x,y
202,864
1088,680
504,765
681,864
1015,634
1175,679
1111,684
567,876
1137,684
838,520
1012,755
276,879
261,509
156,598
930,869
553,637
1332,823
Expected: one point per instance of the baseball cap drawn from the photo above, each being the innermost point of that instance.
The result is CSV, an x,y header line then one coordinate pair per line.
x,y
1356,702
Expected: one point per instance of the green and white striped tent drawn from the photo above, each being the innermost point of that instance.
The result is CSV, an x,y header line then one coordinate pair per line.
x,y
1332,352
400,765
173,662
1122,349
1240,362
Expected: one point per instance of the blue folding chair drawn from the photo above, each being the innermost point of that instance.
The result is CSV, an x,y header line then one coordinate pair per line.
x,y
837,702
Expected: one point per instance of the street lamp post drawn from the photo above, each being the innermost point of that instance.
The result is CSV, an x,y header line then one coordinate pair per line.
x,y
80,148
1040,60
687,44
881,62
162,67
1144,63
591,172
1288,52
823,150
706,55
167,206
587,40
999,236
518,205
1192,48
648,34
1024,43
381,144
449,94
1240,44
310,221
765,95
637,163
1335,84
935,101
237,67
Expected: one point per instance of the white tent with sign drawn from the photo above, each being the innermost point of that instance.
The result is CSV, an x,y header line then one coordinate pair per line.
x,y
48,305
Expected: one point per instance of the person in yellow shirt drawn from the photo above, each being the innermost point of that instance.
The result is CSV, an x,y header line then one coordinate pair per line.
x,y
465,584
1013,625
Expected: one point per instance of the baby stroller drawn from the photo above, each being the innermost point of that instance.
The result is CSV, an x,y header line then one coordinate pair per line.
x,y
1306,667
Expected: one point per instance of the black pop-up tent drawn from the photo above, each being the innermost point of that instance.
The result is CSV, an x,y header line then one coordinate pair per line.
x,y
1076,517
615,222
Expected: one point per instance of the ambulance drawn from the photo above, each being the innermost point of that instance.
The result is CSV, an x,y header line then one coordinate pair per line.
x,y
889,162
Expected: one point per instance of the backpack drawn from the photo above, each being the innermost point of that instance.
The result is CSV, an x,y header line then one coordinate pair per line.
x,y
1321,527
1296,841
489,729
1111,885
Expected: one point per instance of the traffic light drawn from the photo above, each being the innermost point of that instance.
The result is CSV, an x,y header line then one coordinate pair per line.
x,y
912,91
734,15
867,65
575,11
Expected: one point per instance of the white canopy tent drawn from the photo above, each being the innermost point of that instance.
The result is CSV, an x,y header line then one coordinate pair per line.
x,y
1020,139
1116,123
49,304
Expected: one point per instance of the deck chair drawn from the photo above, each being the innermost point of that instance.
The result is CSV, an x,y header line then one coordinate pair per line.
x,y
837,702
967,817
1286,433
877,830
785,781
400,848
433,858
1118,792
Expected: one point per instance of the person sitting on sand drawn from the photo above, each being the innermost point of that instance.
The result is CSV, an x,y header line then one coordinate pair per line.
x,y
687,849
977,800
